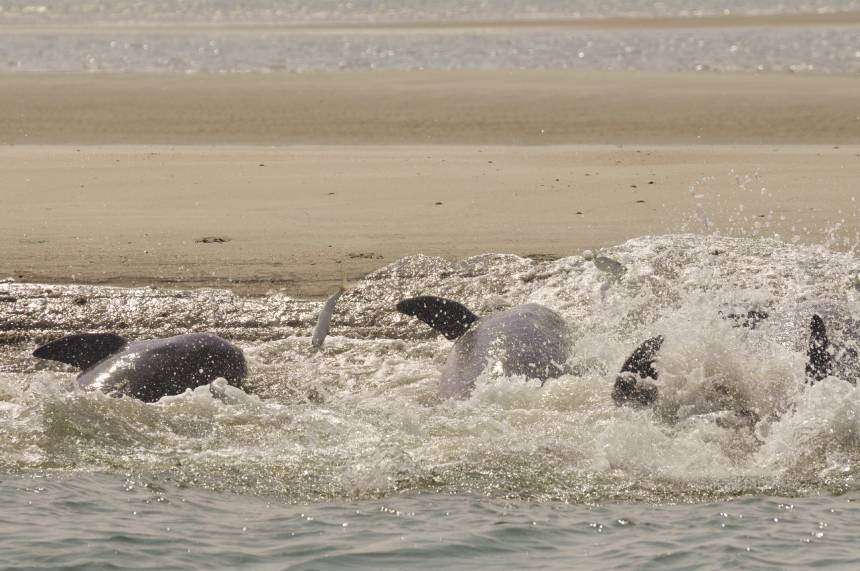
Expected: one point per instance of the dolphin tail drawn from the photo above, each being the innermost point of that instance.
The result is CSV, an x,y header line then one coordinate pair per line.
x,y
82,350
449,318
324,319
628,389
819,364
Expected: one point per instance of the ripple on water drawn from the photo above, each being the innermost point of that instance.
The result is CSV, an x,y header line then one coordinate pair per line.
x,y
814,49
99,521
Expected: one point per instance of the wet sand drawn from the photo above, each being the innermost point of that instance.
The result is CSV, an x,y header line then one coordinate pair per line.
x,y
297,219
429,107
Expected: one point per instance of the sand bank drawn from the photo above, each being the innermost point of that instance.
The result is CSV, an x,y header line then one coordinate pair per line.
x,y
127,179
298,218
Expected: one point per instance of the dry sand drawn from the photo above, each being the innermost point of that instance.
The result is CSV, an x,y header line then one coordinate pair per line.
x,y
117,178
298,218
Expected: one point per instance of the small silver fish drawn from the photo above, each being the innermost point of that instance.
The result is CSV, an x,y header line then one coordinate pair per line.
x,y
324,320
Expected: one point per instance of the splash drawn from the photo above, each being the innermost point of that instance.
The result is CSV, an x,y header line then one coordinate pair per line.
x,y
360,416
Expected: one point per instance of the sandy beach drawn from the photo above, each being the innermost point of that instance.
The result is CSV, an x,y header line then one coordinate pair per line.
x,y
299,219
291,182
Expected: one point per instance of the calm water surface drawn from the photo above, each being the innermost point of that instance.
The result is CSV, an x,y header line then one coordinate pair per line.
x,y
99,522
297,11
74,37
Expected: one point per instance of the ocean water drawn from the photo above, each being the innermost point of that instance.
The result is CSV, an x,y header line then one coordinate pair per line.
x,y
98,522
234,37
831,49
374,11
345,457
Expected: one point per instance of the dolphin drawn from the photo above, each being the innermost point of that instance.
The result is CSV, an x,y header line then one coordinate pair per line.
x,y
529,340
150,369
825,358
634,385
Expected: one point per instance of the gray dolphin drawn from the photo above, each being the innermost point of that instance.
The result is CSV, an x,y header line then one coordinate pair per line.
x,y
825,358
529,340
634,385
149,369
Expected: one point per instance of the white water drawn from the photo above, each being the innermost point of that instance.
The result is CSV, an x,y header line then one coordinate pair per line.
x,y
360,417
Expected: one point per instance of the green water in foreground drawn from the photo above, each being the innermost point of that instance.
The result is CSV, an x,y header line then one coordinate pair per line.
x,y
94,521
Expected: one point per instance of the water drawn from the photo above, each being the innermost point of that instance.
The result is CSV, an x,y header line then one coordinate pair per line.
x,y
196,37
345,457
517,475
328,11
818,49
98,522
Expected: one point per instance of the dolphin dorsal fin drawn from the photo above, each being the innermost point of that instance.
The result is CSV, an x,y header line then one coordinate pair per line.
x,y
449,318
627,390
819,364
641,361
82,350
